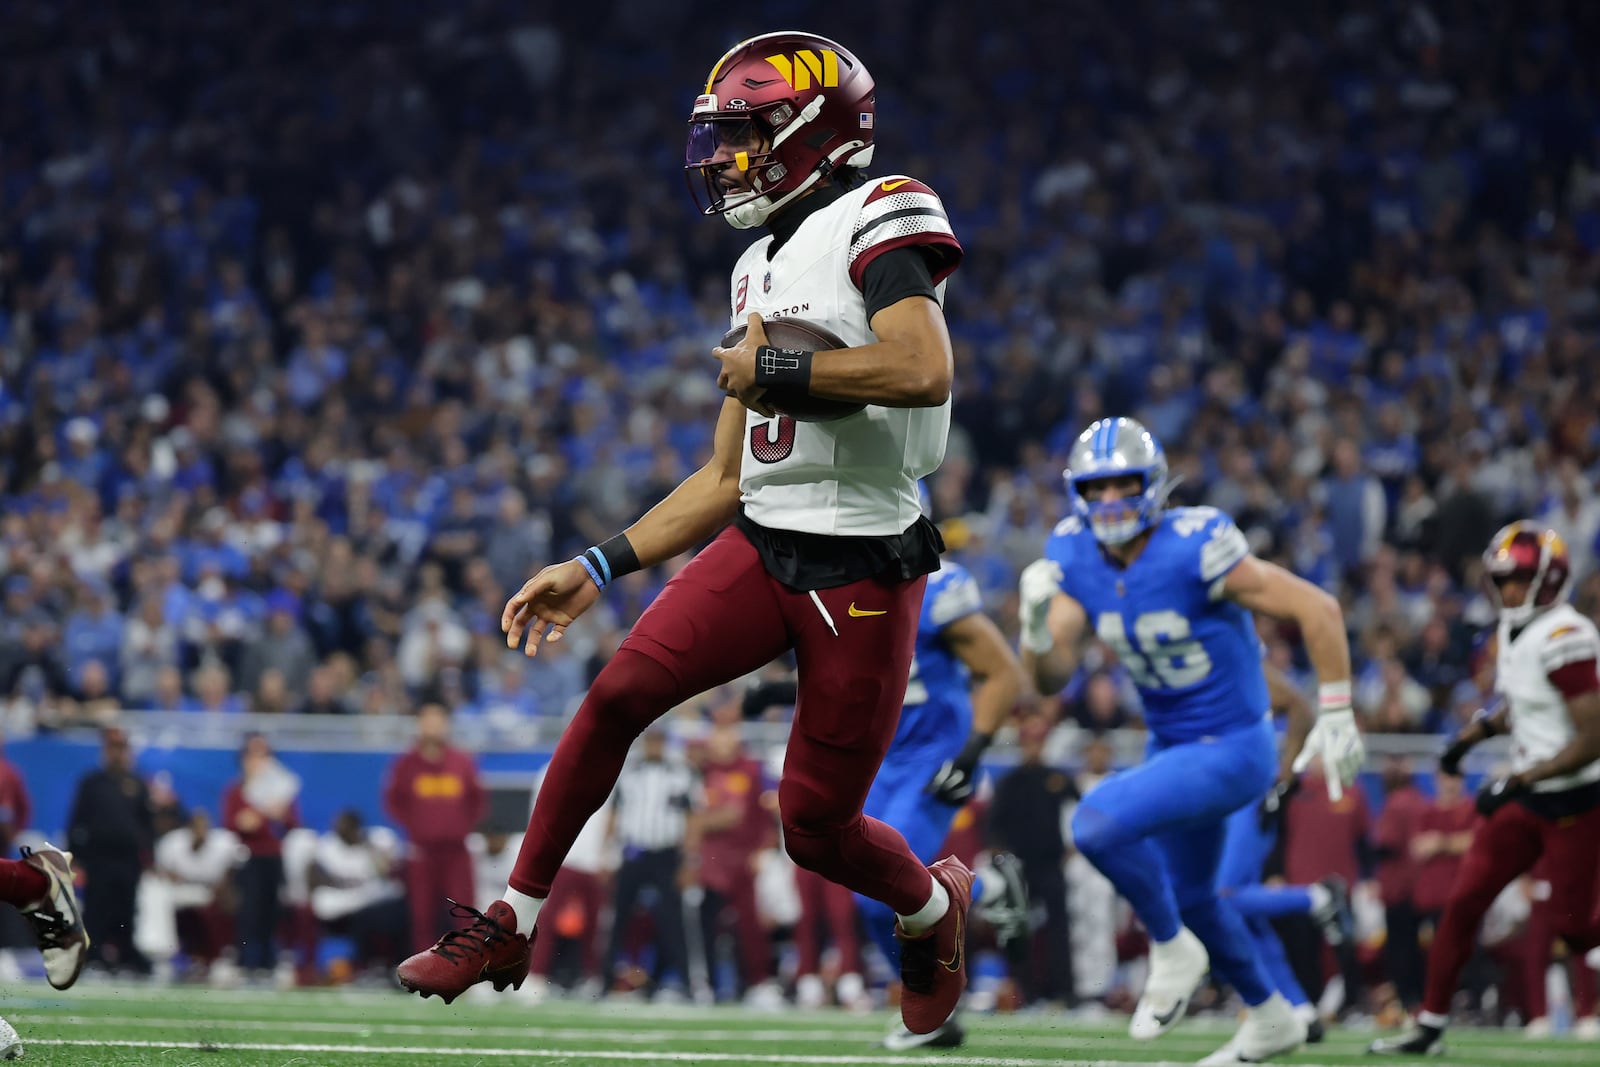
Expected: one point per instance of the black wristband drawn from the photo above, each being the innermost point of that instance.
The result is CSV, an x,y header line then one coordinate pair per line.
x,y
619,556
783,368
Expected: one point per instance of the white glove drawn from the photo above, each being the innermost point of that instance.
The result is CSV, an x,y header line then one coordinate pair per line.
x,y
1041,581
1336,739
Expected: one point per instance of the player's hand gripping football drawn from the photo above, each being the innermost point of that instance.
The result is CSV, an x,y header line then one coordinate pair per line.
x,y
738,377
549,601
1040,582
1337,740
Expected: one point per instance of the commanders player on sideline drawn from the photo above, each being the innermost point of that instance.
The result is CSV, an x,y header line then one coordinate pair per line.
x,y
822,545
1549,806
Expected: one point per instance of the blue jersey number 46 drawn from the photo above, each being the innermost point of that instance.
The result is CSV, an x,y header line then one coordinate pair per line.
x,y
1163,653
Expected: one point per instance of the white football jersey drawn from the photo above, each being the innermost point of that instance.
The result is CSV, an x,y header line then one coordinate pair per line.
x,y
1540,725
856,475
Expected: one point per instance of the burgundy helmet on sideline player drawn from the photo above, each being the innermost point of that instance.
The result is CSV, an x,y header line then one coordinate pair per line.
x,y
806,101
1527,552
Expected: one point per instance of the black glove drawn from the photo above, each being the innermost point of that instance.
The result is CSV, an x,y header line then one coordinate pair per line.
x,y
1276,802
952,784
1494,795
1454,753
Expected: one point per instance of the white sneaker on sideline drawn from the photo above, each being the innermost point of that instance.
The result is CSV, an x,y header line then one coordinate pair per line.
x,y
1177,968
1586,1029
809,992
1538,1029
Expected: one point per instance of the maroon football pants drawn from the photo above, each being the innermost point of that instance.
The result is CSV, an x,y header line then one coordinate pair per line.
x,y
722,617
1504,847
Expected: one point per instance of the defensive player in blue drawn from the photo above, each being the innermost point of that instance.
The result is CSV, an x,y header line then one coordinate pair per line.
x,y
945,726
1171,592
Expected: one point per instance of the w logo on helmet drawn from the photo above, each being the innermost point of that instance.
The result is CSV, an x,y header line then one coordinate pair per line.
x,y
805,65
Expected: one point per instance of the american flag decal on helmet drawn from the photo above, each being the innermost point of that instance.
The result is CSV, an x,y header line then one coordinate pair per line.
x,y
866,120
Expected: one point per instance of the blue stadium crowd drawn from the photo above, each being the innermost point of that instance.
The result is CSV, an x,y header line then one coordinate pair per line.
x,y
323,325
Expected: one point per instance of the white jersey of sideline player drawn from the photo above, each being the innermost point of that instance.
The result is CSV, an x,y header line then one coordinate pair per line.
x,y
854,476
1540,725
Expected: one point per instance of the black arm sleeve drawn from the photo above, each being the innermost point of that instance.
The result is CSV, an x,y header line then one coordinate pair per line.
x,y
895,275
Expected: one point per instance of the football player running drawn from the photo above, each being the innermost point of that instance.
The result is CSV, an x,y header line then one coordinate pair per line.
x,y
820,544
945,727
1548,806
1171,593
40,885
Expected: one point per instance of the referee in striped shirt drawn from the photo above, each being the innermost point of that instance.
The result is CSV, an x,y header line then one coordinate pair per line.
x,y
655,798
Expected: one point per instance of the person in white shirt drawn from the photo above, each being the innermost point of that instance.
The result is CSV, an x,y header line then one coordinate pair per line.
x,y
353,893
194,865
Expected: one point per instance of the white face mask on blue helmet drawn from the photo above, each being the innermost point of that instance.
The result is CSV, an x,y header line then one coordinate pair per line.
x,y
1114,448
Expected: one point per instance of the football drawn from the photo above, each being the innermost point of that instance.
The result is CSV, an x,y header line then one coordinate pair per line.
x,y
808,337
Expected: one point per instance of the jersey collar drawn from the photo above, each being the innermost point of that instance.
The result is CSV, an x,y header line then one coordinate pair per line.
x,y
784,225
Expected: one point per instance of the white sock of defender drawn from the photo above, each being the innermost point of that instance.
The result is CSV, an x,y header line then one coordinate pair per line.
x,y
1428,1018
924,917
1320,897
526,907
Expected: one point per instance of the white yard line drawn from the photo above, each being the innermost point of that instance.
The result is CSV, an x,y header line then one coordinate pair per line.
x,y
609,1054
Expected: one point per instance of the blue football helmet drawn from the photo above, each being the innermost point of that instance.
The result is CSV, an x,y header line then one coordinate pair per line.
x,y
1110,448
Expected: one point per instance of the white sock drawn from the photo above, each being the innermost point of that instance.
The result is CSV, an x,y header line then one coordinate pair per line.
x,y
1428,1018
924,917
526,907
1320,897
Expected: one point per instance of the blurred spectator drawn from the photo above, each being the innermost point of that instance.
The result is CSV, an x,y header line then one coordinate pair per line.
x,y
355,895
260,807
196,862
283,647
651,808
1356,507
730,828
93,635
111,838
1323,838
566,951
212,692
15,807
434,796
1574,513
1443,835
1092,902
1025,819
149,647
1397,827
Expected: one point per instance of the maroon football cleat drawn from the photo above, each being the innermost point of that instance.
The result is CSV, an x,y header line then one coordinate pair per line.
x,y
488,949
933,965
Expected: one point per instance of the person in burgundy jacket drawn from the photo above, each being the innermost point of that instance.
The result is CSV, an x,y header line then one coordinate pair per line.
x,y
260,807
1397,828
733,827
435,798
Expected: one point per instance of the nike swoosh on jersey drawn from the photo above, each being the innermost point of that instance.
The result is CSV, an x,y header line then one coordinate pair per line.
x,y
890,187
858,613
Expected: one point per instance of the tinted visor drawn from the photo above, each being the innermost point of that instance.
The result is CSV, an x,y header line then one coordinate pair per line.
x,y
727,136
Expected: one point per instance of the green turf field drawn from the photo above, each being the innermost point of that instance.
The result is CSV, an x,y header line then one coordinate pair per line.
x,y
181,1027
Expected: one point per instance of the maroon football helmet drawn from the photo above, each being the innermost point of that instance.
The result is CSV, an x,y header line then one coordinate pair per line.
x,y
788,108
1527,552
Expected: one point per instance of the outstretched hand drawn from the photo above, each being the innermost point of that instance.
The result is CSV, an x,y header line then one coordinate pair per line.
x,y
550,600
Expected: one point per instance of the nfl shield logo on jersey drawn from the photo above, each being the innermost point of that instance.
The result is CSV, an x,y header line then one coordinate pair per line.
x,y
766,283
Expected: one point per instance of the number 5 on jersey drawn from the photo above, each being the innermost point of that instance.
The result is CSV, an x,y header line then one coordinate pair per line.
x,y
1162,654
